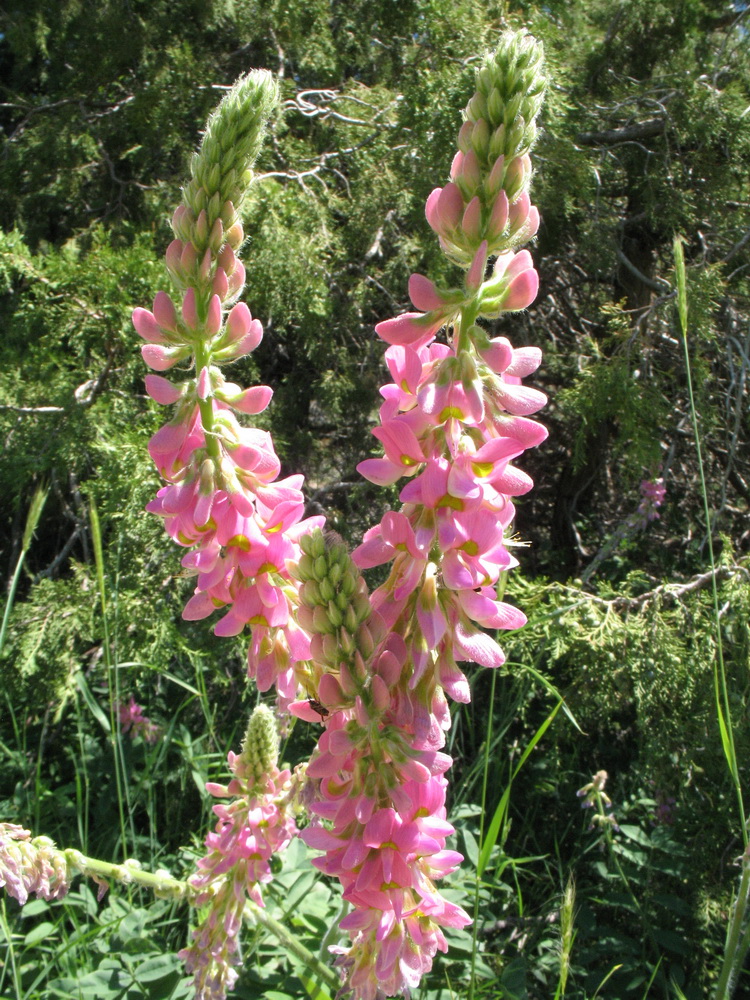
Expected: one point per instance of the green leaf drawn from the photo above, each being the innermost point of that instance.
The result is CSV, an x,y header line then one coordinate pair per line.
x,y
154,969
471,846
39,933
636,834
314,989
496,824
92,703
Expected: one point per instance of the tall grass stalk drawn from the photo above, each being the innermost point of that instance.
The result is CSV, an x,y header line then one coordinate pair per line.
x,y
11,954
113,688
32,520
478,877
737,942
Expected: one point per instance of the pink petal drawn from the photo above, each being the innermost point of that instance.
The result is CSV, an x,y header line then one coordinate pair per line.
x,y
147,327
161,390
423,293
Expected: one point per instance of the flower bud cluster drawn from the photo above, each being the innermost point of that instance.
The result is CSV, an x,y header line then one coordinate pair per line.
x,y
594,797
32,865
487,197
256,823
380,781
222,499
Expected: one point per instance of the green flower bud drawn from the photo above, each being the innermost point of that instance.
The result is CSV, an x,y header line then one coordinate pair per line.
x,y
214,207
317,543
260,748
350,620
334,615
310,592
232,139
342,600
321,622
305,564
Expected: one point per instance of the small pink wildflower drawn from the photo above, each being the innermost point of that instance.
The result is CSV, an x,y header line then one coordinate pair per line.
x,y
31,865
653,492
133,721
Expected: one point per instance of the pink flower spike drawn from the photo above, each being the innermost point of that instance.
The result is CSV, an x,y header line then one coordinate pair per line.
x,y
475,273
164,312
190,310
161,390
147,327
424,294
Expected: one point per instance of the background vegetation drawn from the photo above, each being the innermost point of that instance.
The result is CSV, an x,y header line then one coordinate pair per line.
x,y
646,136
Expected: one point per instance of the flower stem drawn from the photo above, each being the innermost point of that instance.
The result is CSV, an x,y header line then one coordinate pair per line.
x,y
286,938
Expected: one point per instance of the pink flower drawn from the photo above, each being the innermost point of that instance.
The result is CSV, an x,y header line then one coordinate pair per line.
x,y
252,826
31,866
133,721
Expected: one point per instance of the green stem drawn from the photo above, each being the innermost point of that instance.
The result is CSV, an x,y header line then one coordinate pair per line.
x,y
32,520
114,719
290,942
163,884
735,949
721,690
485,776
205,406
11,950
466,322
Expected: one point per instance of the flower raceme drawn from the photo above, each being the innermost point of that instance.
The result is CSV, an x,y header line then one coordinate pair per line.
x,y
375,670
379,813
253,825
452,422
222,499
456,415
